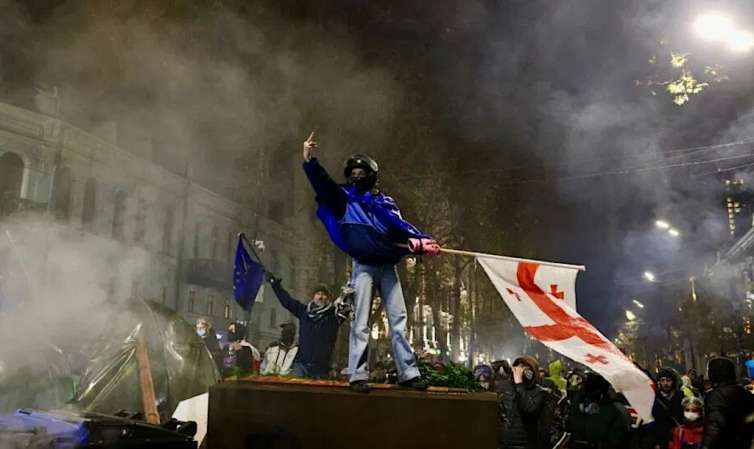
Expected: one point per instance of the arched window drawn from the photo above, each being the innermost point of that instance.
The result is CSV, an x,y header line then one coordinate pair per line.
x,y
119,215
11,176
90,204
61,195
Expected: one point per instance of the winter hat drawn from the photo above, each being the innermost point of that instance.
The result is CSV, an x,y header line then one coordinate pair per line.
x,y
721,370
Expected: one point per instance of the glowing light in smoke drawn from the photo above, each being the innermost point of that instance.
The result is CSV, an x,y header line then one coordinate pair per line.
x,y
716,27
649,276
741,41
630,316
674,232
638,304
662,224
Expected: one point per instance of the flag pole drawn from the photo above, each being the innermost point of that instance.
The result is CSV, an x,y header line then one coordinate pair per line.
x,y
459,252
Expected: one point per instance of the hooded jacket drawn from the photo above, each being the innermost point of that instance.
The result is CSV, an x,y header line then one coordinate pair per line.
x,y
523,404
555,376
667,411
726,408
364,225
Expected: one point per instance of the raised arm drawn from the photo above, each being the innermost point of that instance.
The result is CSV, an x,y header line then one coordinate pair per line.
x,y
329,193
286,300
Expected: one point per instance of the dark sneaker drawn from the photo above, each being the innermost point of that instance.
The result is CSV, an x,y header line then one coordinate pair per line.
x,y
417,383
360,386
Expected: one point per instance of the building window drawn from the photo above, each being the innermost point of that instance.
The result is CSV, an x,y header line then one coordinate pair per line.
x,y
90,205
273,317
226,311
11,179
140,228
211,306
230,247
134,289
191,301
292,277
61,196
167,231
214,243
119,215
197,229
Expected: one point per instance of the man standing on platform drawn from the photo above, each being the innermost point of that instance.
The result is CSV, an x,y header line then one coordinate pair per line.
x,y
319,321
367,225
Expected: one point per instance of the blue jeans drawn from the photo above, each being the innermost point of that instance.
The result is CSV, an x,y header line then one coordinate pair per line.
x,y
385,278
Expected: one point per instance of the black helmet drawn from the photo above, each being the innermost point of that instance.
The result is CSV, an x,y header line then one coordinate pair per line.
x,y
366,183
360,161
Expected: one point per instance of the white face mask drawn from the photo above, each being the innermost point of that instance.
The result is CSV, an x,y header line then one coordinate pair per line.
x,y
201,331
691,416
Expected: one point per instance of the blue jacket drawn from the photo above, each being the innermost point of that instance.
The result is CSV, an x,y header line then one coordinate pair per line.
x,y
316,338
366,226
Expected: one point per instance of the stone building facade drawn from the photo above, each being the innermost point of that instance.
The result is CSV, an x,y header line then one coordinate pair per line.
x,y
89,184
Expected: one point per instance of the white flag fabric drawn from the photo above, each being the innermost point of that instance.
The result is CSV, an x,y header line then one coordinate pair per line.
x,y
543,299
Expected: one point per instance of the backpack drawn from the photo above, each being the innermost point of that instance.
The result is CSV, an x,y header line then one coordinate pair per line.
x,y
552,418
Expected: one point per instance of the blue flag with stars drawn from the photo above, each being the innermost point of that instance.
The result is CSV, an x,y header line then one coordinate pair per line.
x,y
248,276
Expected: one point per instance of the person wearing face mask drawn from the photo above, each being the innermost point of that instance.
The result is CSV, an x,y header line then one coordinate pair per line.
x,y
205,331
367,225
279,356
528,398
483,376
690,434
239,356
596,420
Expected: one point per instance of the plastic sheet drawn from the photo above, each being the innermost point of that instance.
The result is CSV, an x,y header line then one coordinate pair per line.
x,y
182,367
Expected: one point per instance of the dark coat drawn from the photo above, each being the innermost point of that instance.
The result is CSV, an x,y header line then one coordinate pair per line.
x,y
316,337
726,408
668,414
607,429
521,406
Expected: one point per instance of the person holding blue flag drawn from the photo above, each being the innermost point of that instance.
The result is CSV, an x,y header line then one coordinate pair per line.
x,y
367,225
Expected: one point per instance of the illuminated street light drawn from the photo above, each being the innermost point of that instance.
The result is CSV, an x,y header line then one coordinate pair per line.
x,y
716,27
674,232
630,316
649,276
638,304
662,224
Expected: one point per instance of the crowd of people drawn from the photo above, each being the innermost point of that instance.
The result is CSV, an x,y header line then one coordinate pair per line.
x,y
540,410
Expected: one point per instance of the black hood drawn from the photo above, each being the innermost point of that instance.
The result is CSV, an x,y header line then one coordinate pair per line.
x,y
721,371
672,374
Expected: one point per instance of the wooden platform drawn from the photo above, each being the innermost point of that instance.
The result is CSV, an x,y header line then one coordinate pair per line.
x,y
280,413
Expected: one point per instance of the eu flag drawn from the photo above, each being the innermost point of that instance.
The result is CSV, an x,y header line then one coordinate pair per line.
x,y
248,276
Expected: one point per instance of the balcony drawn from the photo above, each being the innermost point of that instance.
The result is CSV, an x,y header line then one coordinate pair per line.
x,y
210,273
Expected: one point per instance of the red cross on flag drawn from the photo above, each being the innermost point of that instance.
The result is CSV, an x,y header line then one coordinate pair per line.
x,y
542,296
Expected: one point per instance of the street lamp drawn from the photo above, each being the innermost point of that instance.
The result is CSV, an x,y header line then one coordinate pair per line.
x,y
662,224
637,303
630,316
674,232
649,276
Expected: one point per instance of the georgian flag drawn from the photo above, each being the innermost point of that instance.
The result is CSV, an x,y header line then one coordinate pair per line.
x,y
542,297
